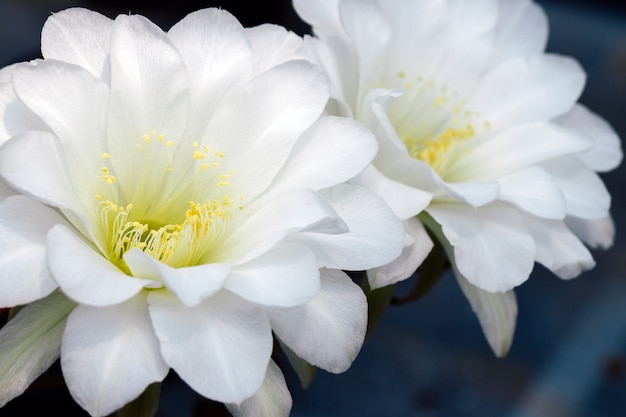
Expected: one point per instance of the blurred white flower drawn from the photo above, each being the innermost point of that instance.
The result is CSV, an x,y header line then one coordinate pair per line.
x,y
183,189
478,127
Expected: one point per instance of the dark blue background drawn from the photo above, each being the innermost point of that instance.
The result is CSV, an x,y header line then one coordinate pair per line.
x,y
430,358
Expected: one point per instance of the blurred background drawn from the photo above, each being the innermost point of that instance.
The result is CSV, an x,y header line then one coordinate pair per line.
x,y
430,358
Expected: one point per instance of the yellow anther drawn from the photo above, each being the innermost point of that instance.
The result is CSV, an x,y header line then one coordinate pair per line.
x,y
105,155
400,74
169,143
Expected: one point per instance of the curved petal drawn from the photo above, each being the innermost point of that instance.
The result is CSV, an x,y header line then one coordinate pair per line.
x,y
327,331
496,312
218,57
31,342
417,246
86,276
515,149
535,88
149,91
585,194
34,164
606,152
256,146
311,165
17,118
271,400
522,29
534,191
23,226
220,348
405,201
367,244
118,347
492,247
285,276
476,194
558,249
273,219
597,233
192,284
272,45
78,36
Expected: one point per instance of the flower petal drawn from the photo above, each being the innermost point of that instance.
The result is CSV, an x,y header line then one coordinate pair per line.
x,y
17,117
192,284
285,276
534,191
271,400
86,276
272,45
117,346
497,313
417,246
23,226
257,148
404,200
522,30
597,233
78,36
535,88
328,331
311,165
585,194
30,343
220,347
558,249
606,152
33,164
217,55
300,210
366,244
515,149
492,248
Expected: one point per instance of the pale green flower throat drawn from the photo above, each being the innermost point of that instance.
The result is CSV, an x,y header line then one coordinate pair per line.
x,y
175,217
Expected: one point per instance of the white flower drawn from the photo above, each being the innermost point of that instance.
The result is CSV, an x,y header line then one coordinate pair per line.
x,y
478,127
183,189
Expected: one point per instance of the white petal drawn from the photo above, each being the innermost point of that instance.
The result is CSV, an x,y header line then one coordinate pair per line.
x,y
274,219
367,244
534,191
536,88
492,247
31,342
606,152
328,331
405,201
78,36
109,355
192,284
23,226
220,348
417,247
476,194
585,194
149,89
5,190
218,57
311,165
33,163
256,146
74,104
271,400
522,30
285,276
594,232
515,149
497,313
84,274
272,45
558,249
17,118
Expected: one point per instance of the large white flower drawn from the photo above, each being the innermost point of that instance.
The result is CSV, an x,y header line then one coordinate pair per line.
x,y
184,191
478,127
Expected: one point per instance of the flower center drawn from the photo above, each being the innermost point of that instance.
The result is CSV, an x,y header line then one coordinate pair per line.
x,y
434,123
173,203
